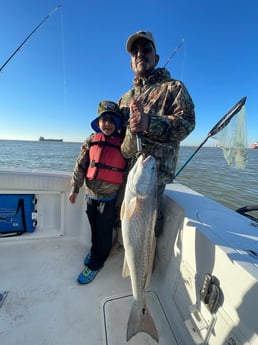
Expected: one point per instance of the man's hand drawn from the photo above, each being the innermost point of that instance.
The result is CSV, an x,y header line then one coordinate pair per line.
x,y
138,121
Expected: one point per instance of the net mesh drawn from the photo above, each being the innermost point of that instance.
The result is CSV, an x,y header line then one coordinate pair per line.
x,y
232,139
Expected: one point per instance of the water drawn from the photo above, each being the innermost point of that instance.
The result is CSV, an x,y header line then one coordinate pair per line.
x,y
207,172
38,154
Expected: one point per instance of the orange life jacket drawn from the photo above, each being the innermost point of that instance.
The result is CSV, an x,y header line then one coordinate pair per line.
x,y
106,161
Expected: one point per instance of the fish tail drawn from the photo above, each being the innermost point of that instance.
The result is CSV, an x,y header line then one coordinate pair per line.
x,y
140,320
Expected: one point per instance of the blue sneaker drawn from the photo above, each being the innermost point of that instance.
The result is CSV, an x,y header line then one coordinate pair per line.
x,y
87,259
87,275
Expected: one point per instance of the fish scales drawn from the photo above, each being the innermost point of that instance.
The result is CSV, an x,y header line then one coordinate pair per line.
x,y
138,218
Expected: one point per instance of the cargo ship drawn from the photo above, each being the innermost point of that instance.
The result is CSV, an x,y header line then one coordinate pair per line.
x,y
44,139
254,145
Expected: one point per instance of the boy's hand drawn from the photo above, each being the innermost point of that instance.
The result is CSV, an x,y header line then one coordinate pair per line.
x,y
73,197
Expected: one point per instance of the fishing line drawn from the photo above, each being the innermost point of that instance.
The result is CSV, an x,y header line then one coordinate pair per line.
x,y
183,62
63,58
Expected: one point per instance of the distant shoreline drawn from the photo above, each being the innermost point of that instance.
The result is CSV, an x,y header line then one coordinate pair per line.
x,y
36,140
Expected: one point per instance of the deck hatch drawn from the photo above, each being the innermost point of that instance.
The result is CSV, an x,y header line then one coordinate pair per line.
x,y
116,313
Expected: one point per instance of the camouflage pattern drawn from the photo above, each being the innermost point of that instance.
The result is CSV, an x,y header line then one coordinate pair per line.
x,y
95,188
108,107
172,118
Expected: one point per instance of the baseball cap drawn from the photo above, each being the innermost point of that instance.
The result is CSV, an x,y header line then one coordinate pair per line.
x,y
108,108
139,34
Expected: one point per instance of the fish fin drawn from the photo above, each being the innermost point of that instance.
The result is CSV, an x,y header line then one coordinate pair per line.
x,y
122,211
140,320
126,271
151,262
131,207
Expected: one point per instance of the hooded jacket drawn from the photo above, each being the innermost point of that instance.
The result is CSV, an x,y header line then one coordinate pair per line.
x,y
171,120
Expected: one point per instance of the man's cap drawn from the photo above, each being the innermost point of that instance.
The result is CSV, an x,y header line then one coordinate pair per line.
x,y
108,108
140,34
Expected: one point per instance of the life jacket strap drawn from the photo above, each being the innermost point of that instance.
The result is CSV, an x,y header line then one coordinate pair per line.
x,y
104,143
105,166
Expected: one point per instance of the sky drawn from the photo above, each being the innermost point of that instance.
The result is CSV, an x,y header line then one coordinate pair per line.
x,y
52,86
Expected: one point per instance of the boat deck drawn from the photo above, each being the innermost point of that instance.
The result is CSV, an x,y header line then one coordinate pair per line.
x,y
45,304
41,302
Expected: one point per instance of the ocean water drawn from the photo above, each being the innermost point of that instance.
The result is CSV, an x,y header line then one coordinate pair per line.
x,y
207,172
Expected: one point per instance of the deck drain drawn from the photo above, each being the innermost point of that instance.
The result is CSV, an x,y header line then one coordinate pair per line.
x,y
3,295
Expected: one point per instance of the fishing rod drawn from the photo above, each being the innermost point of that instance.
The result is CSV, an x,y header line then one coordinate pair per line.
x,y
174,52
221,124
26,39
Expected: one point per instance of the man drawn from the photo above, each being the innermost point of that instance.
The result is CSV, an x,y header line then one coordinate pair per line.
x,y
159,108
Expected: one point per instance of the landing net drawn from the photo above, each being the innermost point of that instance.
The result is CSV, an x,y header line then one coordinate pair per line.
x,y
233,141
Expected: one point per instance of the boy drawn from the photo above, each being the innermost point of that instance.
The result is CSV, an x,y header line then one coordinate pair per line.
x,y
100,167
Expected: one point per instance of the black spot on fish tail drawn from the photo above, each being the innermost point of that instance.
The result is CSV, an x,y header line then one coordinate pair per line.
x,y
140,320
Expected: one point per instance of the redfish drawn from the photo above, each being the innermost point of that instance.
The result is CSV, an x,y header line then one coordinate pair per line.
x,y
138,219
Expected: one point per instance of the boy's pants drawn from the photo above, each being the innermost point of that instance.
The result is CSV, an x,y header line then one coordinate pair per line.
x,y
101,215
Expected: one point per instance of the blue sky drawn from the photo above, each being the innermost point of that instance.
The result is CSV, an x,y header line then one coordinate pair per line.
x,y
52,86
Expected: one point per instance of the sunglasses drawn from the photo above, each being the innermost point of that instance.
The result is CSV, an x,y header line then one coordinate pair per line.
x,y
144,50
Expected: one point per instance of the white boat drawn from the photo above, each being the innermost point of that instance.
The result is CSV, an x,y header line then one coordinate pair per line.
x,y
41,303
